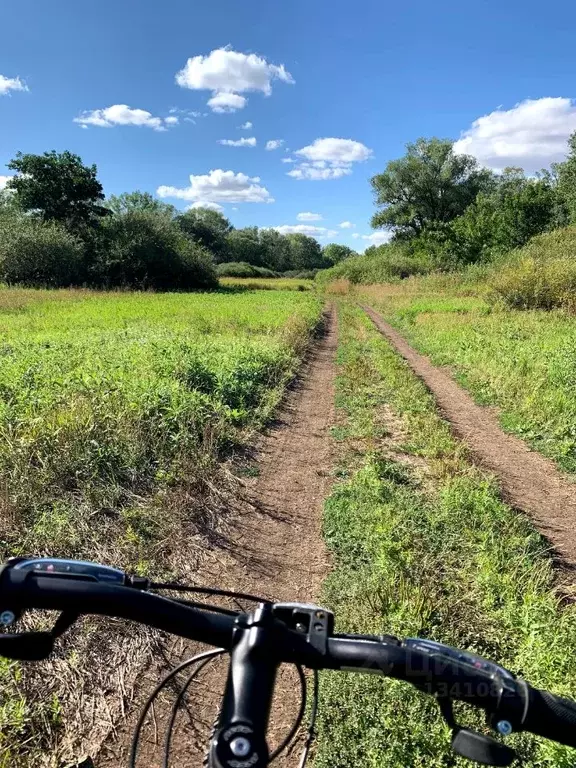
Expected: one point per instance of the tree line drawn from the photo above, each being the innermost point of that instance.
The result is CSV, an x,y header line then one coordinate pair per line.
x,y
445,211
58,229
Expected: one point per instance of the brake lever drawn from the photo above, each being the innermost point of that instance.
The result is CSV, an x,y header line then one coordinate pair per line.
x,y
27,646
35,646
471,744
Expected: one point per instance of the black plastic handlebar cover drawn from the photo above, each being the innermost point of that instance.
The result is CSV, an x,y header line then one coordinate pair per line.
x,y
29,590
427,671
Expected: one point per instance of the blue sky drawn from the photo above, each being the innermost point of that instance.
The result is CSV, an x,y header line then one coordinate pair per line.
x,y
365,76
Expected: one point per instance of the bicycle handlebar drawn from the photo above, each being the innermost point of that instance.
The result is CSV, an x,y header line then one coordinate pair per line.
x,y
72,595
437,669
551,716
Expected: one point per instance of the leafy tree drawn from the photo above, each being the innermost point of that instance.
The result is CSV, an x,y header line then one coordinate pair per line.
x,y
430,185
245,245
517,209
145,249
128,202
58,187
306,252
8,203
334,252
277,252
210,229
566,176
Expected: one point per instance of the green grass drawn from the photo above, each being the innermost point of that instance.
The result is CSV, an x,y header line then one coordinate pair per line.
x,y
268,283
105,397
422,545
522,362
111,404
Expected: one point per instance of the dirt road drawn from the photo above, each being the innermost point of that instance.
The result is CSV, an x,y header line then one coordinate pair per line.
x,y
275,550
529,482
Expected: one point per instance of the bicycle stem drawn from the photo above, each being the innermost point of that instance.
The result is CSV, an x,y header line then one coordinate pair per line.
x,y
240,739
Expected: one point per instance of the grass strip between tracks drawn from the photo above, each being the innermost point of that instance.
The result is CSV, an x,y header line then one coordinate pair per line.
x,y
423,545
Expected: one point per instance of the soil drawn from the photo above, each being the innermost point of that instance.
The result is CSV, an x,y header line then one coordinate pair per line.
x,y
273,548
529,482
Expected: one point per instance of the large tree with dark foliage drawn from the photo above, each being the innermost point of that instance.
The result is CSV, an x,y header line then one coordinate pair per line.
x,y
277,252
306,252
209,228
427,187
58,187
245,245
147,250
335,252
128,202
517,209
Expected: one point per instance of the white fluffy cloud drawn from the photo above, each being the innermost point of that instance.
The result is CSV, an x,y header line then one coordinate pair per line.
x,y
336,151
246,126
320,233
346,225
187,115
307,216
317,173
531,135
376,238
274,144
4,180
205,204
329,159
220,186
228,73
8,84
122,114
288,160
226,102
251,142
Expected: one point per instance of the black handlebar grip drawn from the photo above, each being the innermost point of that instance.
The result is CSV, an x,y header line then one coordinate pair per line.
x,y
551,716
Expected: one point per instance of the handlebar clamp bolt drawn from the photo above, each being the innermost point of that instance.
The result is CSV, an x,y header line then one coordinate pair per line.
x,y
240,747
504,727
7,618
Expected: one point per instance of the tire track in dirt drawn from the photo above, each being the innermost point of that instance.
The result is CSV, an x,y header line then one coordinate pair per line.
x,y
529,482
274,549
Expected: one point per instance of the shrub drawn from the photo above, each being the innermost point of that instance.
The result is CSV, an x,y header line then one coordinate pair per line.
x,y
542,275
144,249
243,269
38,254
197,267
265,272
378,265
301,274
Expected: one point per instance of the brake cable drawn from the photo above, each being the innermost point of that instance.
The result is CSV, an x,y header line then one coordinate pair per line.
x,y
311,732
209,591
203,659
